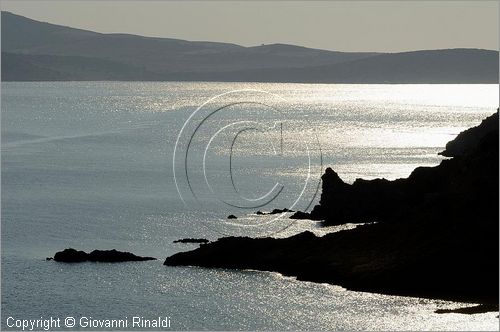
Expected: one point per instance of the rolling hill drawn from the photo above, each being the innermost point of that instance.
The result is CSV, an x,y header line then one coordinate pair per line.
x,y
38,51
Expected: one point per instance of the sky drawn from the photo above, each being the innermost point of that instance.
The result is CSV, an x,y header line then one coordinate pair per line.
x,y
382,26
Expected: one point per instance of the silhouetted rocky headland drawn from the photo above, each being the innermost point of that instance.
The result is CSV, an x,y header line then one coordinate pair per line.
x,y
107,256
467,178
436,233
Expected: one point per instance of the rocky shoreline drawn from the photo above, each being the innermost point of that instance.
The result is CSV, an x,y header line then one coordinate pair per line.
x,y
435,236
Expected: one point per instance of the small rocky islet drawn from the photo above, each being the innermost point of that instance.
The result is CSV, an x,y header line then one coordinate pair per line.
x,y
71,255
191,240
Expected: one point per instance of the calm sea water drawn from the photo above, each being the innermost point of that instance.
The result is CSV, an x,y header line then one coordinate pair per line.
x,y
91,165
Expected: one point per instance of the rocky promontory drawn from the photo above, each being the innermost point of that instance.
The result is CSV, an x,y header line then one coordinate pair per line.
x,y
436,232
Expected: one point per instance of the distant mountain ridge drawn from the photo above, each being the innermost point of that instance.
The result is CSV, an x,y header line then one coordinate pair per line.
x,y
39,51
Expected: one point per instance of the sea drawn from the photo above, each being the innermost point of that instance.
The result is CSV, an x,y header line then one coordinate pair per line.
x,y
134,166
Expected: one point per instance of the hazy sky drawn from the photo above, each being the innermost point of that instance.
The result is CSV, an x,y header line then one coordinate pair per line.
x,y
335,25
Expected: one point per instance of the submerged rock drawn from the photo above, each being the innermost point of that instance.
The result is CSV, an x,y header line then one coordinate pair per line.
x,y
109,256
232,216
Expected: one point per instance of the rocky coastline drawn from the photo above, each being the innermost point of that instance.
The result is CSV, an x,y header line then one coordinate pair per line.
x,y
435,236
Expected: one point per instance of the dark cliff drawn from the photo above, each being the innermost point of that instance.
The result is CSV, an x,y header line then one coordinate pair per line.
x,y
468,181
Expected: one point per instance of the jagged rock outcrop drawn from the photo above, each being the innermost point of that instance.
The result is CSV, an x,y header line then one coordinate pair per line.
x,y
301,215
